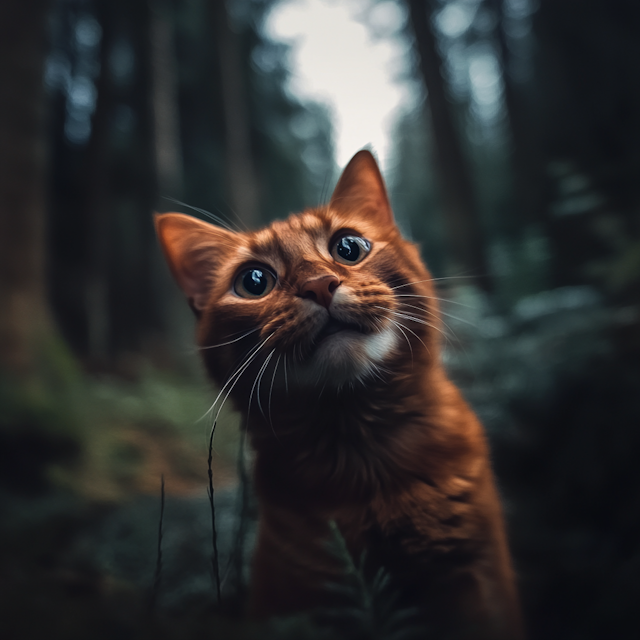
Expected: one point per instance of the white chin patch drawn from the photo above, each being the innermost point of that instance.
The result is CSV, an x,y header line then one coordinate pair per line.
x,y
347,356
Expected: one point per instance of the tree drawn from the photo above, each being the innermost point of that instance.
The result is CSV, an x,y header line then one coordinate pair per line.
x,y
25,320
242,185
462,222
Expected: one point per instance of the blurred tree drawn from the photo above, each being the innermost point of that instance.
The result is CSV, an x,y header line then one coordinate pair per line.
x,y
465,237
96,289
587,70
168,153
531,186
414,193
241,179
25,320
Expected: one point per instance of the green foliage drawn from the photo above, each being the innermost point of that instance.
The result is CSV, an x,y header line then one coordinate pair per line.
x,y
39,419
370,609
157,423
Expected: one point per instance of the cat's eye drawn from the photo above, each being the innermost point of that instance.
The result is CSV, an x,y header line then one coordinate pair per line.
x,y
350,249
254,282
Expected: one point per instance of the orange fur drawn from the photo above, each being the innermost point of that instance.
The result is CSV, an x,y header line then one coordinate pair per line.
x,y
358,424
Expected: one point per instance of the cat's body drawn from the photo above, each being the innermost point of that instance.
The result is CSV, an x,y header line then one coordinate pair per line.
x,y
328,339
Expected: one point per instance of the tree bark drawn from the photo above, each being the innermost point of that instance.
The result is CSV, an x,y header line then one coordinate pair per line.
x,y
24,313
530,185
165,103
98,202
241,178
462,221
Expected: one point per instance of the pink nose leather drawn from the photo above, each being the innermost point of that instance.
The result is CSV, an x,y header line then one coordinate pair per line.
x,y
320,289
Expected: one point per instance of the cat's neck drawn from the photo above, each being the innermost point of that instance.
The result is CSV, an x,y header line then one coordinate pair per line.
x,y
348,445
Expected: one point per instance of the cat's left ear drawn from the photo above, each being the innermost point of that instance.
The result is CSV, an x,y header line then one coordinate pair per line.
x,y
361,191
195,251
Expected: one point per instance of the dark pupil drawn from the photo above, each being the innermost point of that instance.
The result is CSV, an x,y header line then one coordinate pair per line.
x,y
348,249
255,282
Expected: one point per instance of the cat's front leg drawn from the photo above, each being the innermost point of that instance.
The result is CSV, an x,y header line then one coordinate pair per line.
x,y
292,565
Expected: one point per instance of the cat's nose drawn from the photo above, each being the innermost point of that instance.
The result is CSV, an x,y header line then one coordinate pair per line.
x,y
320,289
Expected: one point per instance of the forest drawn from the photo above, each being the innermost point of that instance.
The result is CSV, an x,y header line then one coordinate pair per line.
x,y
517,173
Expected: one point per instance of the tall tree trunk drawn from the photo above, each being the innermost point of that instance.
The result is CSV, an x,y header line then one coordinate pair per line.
x,y
168,164
136,304
241,178
462,222
530,183
168,151
98,209
24,313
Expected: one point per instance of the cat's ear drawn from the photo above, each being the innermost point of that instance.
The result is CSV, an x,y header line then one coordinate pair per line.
x,y
361,191
194,250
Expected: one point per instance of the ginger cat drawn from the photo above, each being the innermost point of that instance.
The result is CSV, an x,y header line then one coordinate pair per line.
x,y
323,328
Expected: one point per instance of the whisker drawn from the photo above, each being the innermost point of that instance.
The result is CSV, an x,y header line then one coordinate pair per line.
x,y
407,328
435,315
223,344
246,359
265,364
258,377
471,324
418,320
273,379
406,337
235,213
236,375
406,316
415,295
413,306
212,216
408,284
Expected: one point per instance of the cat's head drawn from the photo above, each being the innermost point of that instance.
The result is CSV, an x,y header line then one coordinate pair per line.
x,y
333,295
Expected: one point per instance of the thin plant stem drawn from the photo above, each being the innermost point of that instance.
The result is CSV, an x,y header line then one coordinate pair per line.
x,y
214,535
158,575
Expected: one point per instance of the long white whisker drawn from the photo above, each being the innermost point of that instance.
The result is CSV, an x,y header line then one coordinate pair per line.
x,y
408,284
416,295
253,389
471,324
265,364
223,223
406,337
435,315
406,316
413,306
238,372
223,344
238,375
273,379
235,381
399,324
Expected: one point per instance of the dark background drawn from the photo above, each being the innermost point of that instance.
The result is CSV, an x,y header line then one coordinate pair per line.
x,y
528,208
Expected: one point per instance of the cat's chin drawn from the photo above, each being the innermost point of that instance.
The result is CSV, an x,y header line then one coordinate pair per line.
x,y
346,357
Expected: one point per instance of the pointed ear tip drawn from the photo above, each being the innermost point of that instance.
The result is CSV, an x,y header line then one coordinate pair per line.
x,y
172,217
160,221
364,159
363,155
366,153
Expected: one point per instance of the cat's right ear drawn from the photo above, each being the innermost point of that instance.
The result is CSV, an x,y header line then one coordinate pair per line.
x,y
194,250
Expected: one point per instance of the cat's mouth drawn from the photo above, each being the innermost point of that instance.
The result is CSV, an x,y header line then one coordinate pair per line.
x,y
334,326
